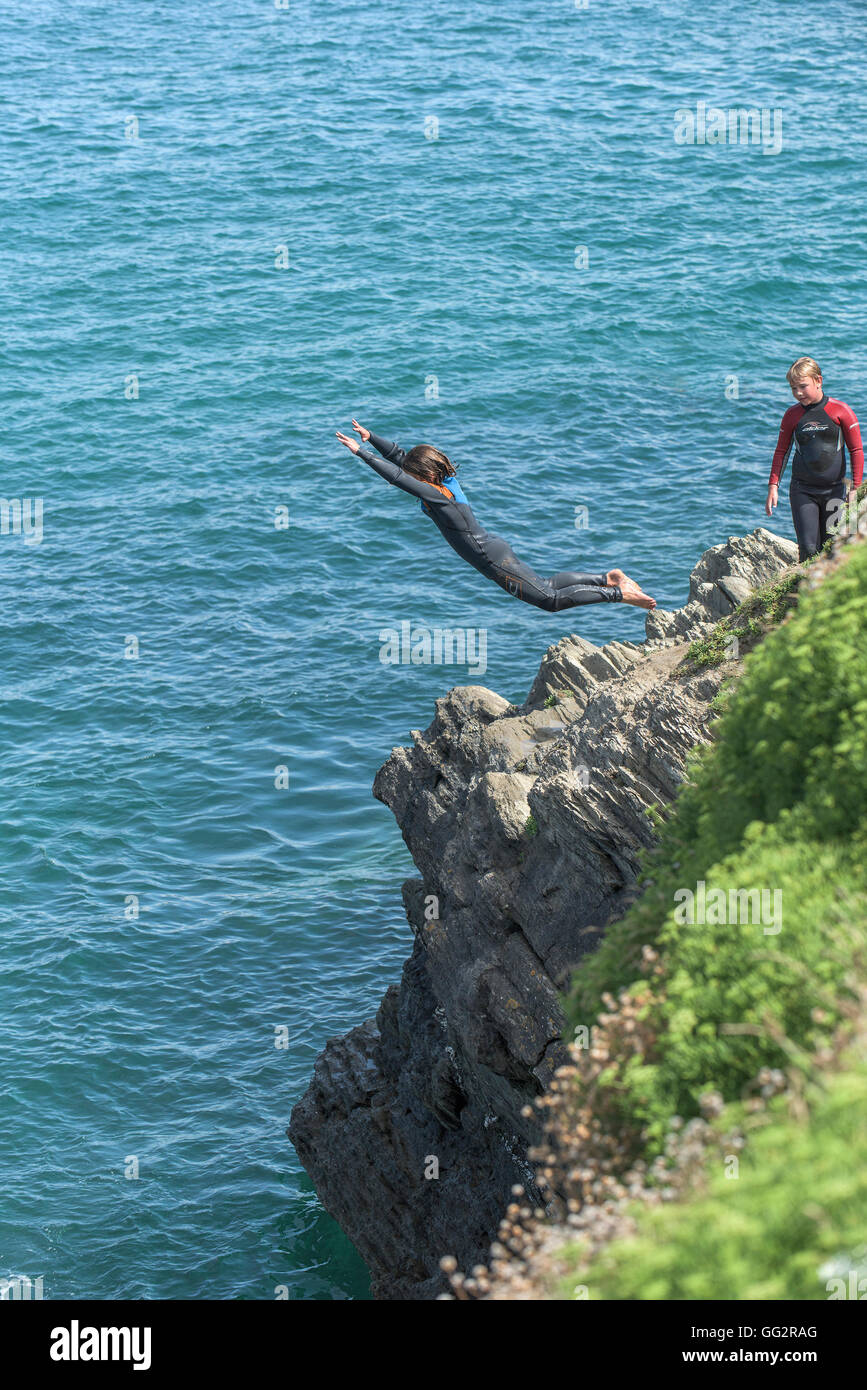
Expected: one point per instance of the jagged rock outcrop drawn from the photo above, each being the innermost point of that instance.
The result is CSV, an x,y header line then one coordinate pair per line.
x,y
722,579
525,823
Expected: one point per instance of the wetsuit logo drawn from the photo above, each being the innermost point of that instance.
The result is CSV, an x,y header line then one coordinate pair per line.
x,y
512,585
819,447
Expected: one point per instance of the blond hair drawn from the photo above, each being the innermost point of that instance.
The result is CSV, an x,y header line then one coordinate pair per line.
x,y
805,366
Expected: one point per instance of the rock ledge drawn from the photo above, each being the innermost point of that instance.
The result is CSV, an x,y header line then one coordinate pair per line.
x,y
525,823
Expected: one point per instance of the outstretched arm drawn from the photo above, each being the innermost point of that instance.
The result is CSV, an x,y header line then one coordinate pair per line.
x,y
392,471
393,452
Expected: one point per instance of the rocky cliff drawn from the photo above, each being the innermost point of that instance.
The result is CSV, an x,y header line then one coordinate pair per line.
x,y
525,823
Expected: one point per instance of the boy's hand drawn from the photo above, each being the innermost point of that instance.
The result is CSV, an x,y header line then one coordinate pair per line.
x,y
365,434
771,502
351,444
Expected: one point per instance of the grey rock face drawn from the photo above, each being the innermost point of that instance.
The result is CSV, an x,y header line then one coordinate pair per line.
x,y
525,823
724,576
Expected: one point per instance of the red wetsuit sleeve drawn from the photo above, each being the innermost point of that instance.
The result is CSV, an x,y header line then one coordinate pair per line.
x,y
848,422
787,428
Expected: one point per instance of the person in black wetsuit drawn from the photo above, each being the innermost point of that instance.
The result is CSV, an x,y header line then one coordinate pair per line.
x,y
423,472
819,429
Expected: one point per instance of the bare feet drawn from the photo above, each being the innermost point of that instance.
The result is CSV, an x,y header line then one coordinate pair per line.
x,y
632,592
637,598
618,577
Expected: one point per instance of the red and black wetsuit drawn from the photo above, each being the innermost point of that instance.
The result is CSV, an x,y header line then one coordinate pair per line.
x,y
490,555
817,436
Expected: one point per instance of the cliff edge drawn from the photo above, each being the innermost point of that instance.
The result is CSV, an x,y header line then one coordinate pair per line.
x,y
525,823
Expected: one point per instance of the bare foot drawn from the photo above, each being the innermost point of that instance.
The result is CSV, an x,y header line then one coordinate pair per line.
x,y
619,578
637,598
628,586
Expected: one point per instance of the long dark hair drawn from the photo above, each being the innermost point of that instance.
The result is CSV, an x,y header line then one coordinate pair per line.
x,y
429,464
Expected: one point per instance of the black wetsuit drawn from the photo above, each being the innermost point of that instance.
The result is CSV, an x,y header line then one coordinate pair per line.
x,y
490,555
819,434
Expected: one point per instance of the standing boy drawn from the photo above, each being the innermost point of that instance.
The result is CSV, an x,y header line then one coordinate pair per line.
x,y
821,430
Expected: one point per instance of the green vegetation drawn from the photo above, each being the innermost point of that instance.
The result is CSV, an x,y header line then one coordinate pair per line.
x,y
723,695
773,804
765,608
531,826
557,697
788,1223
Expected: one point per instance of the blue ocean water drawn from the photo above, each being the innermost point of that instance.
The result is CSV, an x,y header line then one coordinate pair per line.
x,y
228,227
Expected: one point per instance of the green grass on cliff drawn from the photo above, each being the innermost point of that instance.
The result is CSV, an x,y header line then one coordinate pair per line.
x,y
775,804
788,1222
751,620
